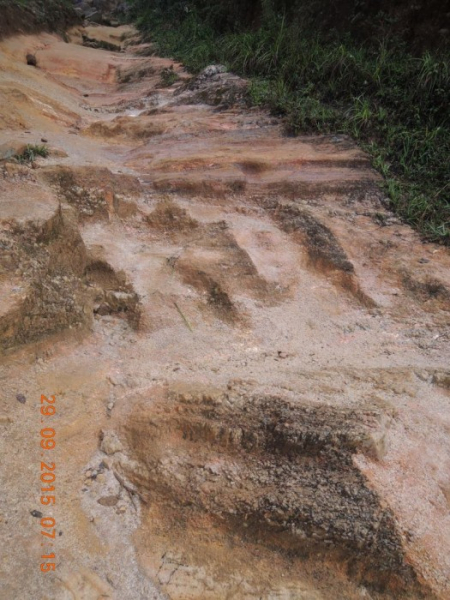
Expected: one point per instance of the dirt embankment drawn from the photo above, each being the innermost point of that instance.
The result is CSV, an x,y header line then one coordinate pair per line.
x,y
35,16
249,351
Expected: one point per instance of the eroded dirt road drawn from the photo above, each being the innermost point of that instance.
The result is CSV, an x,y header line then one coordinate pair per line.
x,y
250,354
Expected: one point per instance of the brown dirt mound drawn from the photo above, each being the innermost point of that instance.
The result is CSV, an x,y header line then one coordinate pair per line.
x,y
51,259
94,191
171,218
325,253
113,295
126,127
265,453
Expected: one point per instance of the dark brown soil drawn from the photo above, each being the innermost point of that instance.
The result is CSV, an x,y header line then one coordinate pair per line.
x,y
37,15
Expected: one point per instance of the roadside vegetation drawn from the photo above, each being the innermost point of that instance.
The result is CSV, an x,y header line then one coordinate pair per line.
x,y
31,152
374,84
168,77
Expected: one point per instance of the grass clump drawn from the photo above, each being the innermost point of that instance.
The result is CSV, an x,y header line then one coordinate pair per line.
x,y
391,99
168,77
31,152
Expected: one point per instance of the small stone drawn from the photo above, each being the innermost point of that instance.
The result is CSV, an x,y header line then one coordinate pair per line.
x,y
31,60
102,310
36,513
21,398
108,500
44,140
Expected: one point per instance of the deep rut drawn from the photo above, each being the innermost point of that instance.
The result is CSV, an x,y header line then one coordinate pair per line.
x,y
250,352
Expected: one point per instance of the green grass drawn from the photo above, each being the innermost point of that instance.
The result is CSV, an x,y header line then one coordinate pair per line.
x,y
393,103
31,152
169,77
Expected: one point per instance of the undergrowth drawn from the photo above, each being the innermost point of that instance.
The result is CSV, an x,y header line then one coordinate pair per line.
x,y
393,102
31,152
168,77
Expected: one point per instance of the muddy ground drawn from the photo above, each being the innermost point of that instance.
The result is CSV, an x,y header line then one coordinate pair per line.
x,y
249,352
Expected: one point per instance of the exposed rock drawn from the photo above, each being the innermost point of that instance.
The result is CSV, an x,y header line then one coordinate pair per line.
x,y
110,443
214,86
108,500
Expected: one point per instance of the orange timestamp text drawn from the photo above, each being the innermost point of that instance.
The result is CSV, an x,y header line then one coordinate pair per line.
x,y
48,481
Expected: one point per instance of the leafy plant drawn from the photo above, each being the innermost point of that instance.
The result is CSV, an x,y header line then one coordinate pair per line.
x,y
31,152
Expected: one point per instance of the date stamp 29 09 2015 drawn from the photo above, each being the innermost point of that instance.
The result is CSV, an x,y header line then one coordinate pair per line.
x,y
48,483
